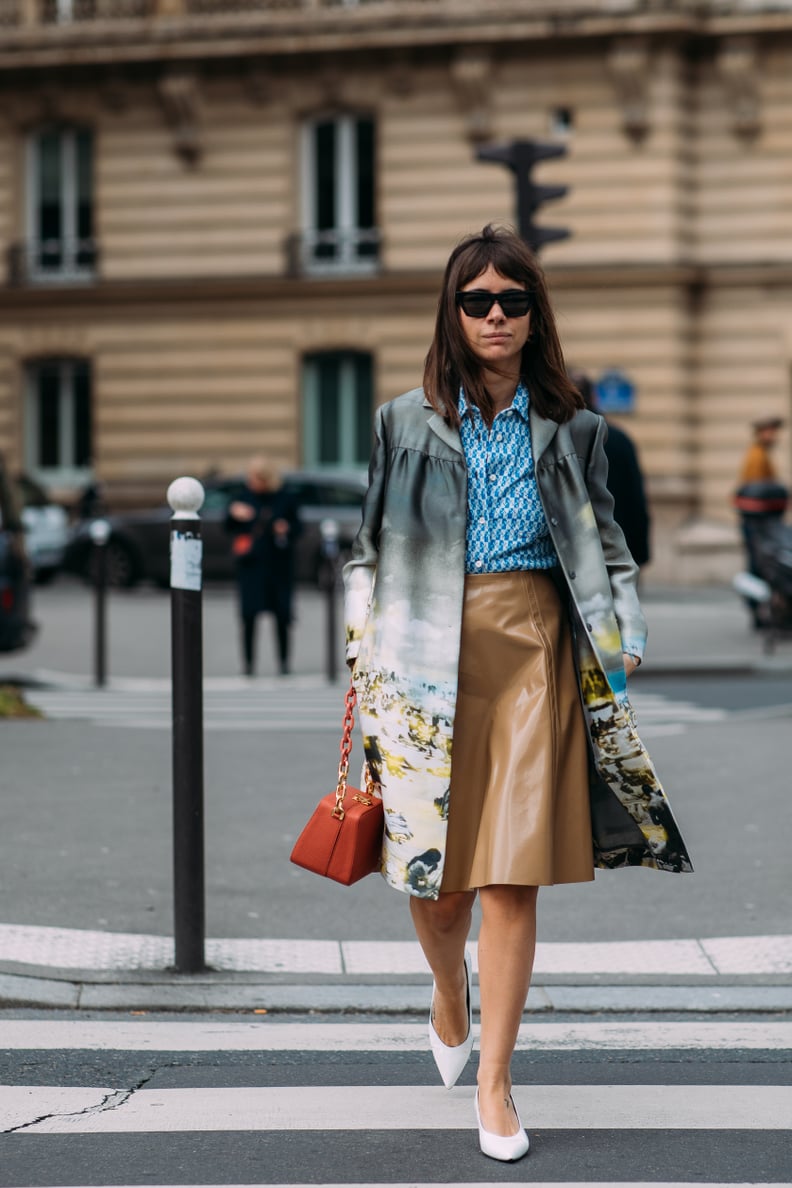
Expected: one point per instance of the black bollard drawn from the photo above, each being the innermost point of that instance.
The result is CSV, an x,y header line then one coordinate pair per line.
x,y
185,496
100,534
329,530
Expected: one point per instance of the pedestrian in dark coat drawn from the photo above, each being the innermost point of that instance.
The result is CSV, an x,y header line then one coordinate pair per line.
x,y
264,525
625,480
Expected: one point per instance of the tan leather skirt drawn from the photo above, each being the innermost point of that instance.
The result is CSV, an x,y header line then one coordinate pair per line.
x,y
519,805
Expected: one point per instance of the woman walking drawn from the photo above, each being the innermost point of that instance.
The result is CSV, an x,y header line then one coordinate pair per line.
x,y
492,621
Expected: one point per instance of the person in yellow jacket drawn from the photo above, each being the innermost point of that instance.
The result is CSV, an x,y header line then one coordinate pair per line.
x,y
757,465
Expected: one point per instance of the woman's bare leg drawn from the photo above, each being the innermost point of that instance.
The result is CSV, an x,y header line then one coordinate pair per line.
x,y
442,926
507,941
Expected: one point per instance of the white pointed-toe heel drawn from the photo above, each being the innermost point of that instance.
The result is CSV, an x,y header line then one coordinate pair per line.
x,y
506,1147
451,1060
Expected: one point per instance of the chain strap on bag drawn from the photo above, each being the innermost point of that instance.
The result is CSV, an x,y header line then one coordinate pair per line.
x,y
343,837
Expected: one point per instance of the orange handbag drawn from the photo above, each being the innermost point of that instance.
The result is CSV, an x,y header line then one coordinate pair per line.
x,y
343,838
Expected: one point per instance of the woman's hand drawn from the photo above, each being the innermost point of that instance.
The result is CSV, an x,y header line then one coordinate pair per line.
x,y
630,663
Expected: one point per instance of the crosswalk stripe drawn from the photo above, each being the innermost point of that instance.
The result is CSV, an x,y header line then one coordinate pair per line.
x,y
296,707
267,1035
47,1110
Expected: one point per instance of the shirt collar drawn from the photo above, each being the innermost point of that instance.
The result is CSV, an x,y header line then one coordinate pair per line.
x,y
520,402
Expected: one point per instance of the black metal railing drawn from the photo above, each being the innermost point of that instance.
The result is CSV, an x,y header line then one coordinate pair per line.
x,y
53,261
27,13
350,252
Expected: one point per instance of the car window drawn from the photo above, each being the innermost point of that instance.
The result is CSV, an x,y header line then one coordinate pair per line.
x,y
30,494
216,499
338,495
305,493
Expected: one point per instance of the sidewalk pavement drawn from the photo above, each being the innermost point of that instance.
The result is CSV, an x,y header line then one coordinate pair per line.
x,y
84,970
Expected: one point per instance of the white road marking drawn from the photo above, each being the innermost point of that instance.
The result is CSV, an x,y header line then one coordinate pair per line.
x,y
297,704
268,1035
402,1107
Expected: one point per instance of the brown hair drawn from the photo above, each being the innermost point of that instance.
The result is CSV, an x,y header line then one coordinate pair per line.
x,y
451,363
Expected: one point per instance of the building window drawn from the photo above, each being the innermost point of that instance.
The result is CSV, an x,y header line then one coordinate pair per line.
x,y
60,244
339,232
59,420
337,409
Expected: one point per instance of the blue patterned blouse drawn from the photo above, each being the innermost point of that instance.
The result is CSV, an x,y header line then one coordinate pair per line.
x,y
506,526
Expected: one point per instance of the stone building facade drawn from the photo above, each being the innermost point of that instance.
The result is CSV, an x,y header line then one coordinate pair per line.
x,y
223,223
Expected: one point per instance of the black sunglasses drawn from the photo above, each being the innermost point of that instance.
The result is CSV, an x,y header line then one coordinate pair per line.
x,y
477,303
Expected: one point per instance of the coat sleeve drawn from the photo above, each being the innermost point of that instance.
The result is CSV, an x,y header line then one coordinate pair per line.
x,y
622,570
360,570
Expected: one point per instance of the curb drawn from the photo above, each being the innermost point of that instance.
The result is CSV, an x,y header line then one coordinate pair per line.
x,y
195,993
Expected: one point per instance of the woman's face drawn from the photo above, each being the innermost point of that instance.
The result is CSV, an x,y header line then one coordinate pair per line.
x,y
497,341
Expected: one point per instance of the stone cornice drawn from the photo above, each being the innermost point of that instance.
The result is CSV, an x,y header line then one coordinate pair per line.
x,y
387,26
108,296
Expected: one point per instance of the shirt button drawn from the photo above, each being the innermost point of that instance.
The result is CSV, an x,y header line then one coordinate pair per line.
x,y
499,437
479,564
492,478
482,520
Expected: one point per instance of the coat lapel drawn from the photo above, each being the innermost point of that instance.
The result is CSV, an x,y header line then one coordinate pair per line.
x,y
443,430
542,432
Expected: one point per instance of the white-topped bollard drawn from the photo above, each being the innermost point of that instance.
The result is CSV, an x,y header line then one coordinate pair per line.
x,y
186,496
99,531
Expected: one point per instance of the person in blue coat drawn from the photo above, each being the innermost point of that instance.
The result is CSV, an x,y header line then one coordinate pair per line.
x,y
264,524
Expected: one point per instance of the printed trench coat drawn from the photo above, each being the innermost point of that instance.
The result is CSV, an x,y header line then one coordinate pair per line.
x,y
403,606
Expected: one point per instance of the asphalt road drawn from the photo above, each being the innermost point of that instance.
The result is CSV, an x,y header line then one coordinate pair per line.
x,y
86,838
639,1111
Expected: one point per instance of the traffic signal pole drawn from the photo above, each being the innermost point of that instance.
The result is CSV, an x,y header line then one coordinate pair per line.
x,y
521,156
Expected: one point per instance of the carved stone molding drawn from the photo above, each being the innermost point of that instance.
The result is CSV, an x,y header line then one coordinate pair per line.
x,y
471,75
179,95
401,75
629,65
257,83
114,91
738,69
331,82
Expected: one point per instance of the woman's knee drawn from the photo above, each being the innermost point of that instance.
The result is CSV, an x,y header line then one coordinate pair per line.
x,y
445,913
507,901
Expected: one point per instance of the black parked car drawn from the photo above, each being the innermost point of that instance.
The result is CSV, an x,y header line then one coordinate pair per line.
x,y
16,628
138,547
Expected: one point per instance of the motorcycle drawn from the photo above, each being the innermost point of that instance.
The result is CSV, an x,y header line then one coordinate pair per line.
x,y
767,585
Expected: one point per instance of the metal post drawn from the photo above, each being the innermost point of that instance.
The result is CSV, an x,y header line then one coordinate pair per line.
x,y
329,530
185,496
100,534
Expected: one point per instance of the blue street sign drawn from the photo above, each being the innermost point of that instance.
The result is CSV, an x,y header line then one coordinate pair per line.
x,y
615,393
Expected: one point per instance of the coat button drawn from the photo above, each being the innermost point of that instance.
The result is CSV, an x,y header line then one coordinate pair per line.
x,y
572,575
588,626
553,521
